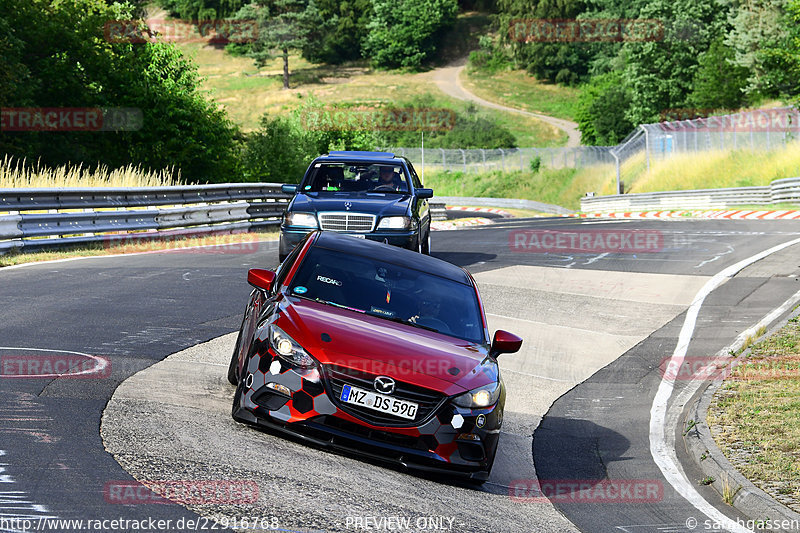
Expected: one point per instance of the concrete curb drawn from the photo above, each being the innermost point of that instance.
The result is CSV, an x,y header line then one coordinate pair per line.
x,y
701,447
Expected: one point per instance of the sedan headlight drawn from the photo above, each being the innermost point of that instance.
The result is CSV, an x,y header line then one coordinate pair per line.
x,y
287,348
305,220
395,223
478,398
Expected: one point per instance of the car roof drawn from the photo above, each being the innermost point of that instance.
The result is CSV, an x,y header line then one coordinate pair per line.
x,y
392,254
341,156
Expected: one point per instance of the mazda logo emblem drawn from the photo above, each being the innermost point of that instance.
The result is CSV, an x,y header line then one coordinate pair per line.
x,y
348,205
384,385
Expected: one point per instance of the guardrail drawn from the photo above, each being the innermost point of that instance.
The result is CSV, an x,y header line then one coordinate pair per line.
x,y
780,191
36,219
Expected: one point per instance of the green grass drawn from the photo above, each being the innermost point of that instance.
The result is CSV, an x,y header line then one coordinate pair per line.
x,y
518,89
755,416
246,92
562,187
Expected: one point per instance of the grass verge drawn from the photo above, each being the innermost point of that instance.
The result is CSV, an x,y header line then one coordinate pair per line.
x,y
562,187
518,89
755,415
214,244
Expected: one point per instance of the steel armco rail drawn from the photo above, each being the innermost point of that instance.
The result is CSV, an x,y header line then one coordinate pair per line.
x,y
780,191
37,219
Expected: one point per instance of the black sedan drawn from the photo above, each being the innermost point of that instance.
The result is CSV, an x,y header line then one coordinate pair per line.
x,y
372,195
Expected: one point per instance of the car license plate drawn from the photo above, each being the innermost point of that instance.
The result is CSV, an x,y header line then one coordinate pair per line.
x,y
379,402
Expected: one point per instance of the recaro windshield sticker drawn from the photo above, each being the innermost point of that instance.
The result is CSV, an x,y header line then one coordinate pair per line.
x,y
330,281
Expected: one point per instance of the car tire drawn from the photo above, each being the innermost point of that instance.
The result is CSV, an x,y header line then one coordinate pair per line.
x,y
426,245
233,367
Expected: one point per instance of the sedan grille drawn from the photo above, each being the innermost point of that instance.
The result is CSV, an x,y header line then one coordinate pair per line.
x,y
428,400
356,222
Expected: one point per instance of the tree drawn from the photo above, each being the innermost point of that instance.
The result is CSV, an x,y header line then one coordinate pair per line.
x,y
761,36
340,31
283,25
659,74
404,33
59,57
560,62
719,83
202,9
601,111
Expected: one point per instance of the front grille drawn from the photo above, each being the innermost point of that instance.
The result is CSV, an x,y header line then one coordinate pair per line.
x,y
427,399
356,222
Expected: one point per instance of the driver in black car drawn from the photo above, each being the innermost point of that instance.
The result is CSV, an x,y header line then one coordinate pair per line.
x,y
389,178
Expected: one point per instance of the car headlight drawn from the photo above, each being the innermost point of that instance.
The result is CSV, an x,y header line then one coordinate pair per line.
x,y
478,398
395,223
305,220
287,348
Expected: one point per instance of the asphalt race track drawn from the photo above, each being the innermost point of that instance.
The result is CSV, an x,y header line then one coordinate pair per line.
x,y
596,326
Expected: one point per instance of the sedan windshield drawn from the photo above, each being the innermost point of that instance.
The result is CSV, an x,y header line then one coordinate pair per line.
x,y
356,177
389,291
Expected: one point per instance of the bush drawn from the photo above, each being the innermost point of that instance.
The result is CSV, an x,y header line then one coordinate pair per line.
x,y
405,33
602,110
59,57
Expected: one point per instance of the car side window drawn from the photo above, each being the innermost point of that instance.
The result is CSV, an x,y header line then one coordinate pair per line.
x,y
414,178
286,266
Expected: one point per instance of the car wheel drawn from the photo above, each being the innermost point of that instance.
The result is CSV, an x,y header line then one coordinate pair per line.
x,y
233,367
426,246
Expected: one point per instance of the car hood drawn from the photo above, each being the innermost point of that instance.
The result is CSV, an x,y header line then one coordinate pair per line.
x,y
377,346
381,204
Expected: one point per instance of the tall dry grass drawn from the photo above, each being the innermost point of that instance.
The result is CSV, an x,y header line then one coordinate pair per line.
x,y
16,173
718,169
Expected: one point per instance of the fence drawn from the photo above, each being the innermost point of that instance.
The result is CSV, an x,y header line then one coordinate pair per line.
x,y
780,191
485,160
35,219
760,129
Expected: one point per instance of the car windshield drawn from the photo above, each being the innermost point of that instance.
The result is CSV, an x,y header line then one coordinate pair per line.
x,y
390,292
356,177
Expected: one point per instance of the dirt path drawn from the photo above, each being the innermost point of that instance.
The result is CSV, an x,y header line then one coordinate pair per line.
x,y
448,81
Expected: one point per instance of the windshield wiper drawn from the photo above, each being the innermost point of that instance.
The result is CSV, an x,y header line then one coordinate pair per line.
x,y
334,304
402,321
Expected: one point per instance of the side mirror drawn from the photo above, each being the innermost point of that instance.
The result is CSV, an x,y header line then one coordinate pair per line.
x,y
505,342
424,193
261,278
289,189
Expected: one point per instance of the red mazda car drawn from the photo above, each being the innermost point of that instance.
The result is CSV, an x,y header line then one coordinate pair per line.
x,y
372,349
